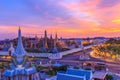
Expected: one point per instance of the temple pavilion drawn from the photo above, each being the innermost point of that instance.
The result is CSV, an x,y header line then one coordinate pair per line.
x,y
20,69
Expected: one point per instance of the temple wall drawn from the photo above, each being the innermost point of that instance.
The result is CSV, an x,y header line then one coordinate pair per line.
x,y
4,53
73,51
52,55
57,55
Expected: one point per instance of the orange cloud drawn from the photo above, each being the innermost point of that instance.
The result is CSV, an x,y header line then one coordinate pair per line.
x,y
116,21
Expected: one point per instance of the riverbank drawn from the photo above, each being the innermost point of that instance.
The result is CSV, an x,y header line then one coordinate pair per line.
x,y
104,59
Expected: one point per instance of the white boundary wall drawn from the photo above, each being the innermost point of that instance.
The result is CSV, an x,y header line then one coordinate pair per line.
x,y
51,55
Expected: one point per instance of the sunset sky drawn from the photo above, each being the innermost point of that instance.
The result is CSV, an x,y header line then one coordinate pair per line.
x,y
69,18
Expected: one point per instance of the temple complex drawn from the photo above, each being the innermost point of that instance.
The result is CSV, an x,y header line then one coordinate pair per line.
x,y
47,43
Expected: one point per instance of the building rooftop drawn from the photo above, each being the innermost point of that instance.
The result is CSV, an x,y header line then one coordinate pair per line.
x,y
75,74
99,75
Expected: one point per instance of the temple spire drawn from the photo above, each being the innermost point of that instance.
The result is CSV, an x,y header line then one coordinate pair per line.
x,y
36,37
45,34
51,41
55,48
51,37
45,40
56,38
19,49
55,43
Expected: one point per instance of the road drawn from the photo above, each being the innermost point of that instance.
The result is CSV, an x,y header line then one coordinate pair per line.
x,y
74,59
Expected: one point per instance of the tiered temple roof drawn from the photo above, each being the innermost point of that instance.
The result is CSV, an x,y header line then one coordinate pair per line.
x,y
19,50
19,65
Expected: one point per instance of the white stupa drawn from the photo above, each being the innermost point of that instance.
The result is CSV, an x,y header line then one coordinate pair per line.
x,y
11,49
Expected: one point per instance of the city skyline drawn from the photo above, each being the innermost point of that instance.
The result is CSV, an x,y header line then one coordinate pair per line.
x,y
69,18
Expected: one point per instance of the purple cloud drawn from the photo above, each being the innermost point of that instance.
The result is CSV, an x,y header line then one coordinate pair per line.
x,y
108,3
43,12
